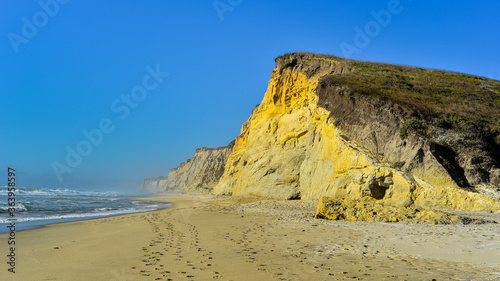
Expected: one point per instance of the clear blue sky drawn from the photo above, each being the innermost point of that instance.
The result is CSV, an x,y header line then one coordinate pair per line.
x,y
63,66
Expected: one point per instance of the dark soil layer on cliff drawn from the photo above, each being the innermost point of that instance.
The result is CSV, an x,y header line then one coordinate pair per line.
x,y
456,97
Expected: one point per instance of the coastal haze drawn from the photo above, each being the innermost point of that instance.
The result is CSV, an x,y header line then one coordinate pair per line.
x,y
250,140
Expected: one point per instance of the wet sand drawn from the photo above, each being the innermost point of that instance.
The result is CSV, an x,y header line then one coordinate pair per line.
x,y
207,238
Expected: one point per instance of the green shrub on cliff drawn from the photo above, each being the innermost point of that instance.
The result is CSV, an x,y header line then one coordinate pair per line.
x,y
411,126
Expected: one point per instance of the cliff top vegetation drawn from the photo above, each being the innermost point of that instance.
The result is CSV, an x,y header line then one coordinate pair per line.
x,y
445,98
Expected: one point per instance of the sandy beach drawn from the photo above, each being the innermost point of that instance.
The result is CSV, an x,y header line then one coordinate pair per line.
x,y
207,237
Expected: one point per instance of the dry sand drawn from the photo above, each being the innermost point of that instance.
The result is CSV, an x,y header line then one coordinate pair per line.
x,y
207,238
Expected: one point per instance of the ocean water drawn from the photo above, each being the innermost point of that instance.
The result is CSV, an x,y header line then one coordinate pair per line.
x,y
40,206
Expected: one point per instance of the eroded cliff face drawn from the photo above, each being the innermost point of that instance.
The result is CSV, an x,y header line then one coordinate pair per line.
x,y
198,174
311,138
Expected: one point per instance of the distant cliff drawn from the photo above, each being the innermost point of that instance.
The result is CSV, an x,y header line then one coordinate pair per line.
x,y
156,185
198,174
335,127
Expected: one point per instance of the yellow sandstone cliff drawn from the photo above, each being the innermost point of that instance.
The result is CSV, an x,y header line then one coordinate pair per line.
x,y
341,128
291,147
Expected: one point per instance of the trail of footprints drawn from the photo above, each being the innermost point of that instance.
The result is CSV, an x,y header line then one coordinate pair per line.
x,y
317,261
180,237
175,239
168,248
261,255
244,245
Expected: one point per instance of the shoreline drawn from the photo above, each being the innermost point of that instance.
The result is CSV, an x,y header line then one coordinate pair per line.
x,y
204,237
37,224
